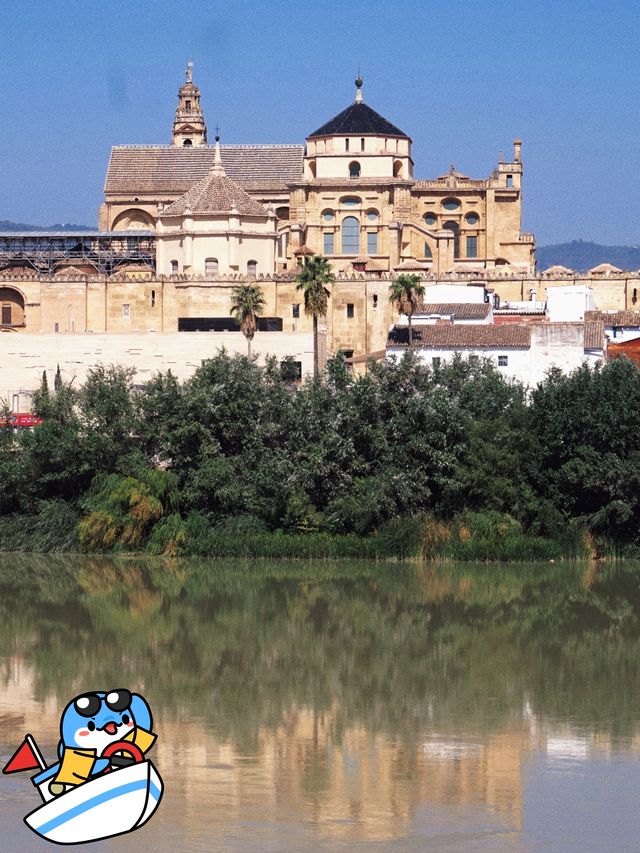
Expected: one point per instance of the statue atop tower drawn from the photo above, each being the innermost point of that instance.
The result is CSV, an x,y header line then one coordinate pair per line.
x,y
189,127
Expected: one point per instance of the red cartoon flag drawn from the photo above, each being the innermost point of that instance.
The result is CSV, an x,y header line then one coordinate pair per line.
x,y
26,757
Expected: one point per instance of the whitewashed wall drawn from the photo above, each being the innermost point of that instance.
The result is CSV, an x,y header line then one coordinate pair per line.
x,y
23,358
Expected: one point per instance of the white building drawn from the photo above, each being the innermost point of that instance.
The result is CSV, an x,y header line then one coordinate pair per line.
x,y
521,352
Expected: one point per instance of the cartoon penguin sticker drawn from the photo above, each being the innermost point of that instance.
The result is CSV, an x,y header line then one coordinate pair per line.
x,y
85,799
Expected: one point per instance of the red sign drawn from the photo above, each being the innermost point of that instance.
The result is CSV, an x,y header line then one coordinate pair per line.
x,y
20,420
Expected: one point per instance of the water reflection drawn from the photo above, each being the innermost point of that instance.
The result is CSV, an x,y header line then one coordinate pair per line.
x,y
339,700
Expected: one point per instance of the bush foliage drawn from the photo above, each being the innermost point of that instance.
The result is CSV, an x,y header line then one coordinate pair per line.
x,y
454,462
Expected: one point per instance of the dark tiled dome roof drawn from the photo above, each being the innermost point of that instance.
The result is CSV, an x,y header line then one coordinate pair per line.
x,y
358,118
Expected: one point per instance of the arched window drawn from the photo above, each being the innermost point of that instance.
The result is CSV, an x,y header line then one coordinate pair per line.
x,y
350,236
427,251
187,143
397,169
174,268
453,226
354,169
12,307
211,266
252,268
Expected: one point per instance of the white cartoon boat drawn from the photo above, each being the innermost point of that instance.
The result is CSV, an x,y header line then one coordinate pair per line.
x,y
117,802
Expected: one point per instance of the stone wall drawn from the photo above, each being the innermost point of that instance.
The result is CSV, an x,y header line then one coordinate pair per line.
x,y
23,358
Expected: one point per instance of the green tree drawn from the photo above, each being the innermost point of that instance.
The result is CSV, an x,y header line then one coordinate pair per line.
x,y
248,304
405,293
313,279
57,382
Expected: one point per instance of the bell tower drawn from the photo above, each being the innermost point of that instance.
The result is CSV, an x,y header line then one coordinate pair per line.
x,y
189,128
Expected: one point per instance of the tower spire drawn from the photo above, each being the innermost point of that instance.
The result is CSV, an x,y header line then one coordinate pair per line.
x,y
189,128
218,168
359,82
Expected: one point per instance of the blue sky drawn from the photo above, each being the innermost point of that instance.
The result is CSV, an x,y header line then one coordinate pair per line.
x,y
462,78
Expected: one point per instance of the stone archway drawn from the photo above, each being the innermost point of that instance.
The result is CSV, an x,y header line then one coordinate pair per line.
x,y
12,308
134,219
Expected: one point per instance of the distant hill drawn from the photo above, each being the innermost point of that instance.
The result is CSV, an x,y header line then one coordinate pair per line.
x,y
580,255
7,225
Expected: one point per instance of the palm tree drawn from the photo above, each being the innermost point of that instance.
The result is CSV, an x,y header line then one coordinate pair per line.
x,y
405,293
313,277
247,305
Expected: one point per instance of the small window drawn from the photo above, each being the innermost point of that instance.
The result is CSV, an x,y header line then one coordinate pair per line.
x,y
187,143
153,299
252,268
328,242
350,311
472,247
126,312
503,360
509,180
295,310
327,215
346,145
435,361
375,300
211,266
430,219
187,105
174,268
427,251
290,370
354,170
56,327
474,359
472,218
362,144
372,242
451,203
372,215
350,201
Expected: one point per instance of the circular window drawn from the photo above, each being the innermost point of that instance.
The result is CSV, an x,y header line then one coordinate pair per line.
x,y
472,218
430,219
451,204
372,215
327,215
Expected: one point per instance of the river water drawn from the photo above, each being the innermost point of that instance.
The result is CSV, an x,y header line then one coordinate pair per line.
x,y
342,706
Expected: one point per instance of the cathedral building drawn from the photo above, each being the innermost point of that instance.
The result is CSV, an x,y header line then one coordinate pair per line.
x,y
349,193
184,223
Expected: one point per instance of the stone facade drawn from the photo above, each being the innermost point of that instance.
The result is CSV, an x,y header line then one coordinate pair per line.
x,y
353,193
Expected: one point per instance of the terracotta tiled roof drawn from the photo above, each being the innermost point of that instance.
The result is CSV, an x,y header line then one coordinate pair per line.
x,y
303,250
605,268
173,169
456,310
453,337
216,193
557,269
358,118
594,333
412,264
630,319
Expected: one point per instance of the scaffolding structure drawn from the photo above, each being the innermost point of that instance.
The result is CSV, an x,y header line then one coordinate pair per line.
x,y
46,252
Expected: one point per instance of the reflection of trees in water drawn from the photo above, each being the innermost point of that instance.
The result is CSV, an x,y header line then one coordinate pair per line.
x,y
391,648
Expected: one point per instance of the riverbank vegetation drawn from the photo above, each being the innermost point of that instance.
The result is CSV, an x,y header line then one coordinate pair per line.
x,y
447,463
